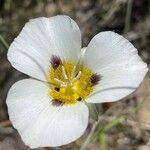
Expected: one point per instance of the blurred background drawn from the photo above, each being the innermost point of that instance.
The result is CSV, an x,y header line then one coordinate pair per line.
x,y
124,125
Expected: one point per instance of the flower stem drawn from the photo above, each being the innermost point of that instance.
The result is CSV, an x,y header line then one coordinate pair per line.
x,y
128,16
103,141
114,123
87,141
102,132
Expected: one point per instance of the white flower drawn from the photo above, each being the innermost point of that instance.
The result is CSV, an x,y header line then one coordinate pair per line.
x,y
49,108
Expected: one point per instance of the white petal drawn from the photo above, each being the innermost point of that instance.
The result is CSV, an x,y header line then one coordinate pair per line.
x,y
40,123
83,50
41,38
118,63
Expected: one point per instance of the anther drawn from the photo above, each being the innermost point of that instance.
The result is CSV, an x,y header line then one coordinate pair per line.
x,y
64,73
73,71
77,77
59,81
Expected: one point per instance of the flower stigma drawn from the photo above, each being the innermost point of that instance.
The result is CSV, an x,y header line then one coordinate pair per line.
x,y
71,84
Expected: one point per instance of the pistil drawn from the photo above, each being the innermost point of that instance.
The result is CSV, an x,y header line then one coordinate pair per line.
x,y
73,84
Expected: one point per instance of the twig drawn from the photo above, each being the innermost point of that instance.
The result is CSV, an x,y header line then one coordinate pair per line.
x,y
132,36
128,16
4,43
4,130
5,123
111,12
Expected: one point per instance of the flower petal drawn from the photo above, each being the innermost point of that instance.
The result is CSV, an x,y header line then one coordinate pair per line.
x,y
40,123
41,38
118,63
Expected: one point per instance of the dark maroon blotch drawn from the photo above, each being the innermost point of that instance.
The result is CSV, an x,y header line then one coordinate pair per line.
x,y
55,61
57,103
95,78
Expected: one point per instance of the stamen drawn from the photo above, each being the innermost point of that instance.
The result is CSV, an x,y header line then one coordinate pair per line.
x,y
77,68
79,65
73,71
64,73
59,81
63,85
77,77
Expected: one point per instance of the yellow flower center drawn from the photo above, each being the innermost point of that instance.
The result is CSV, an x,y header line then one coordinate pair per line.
x,y
70,84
